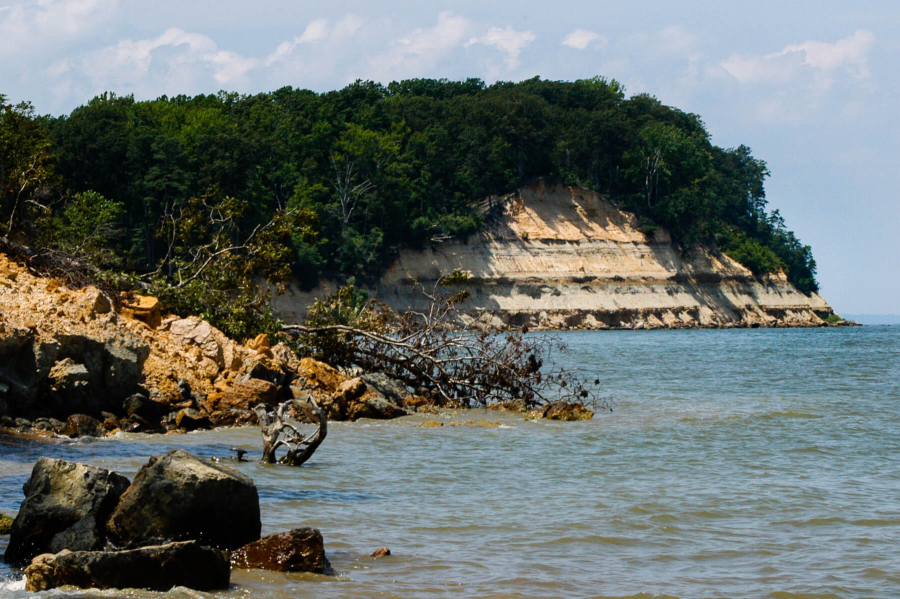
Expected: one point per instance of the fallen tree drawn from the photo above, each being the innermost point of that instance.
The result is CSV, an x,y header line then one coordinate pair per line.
x,y
437,354
278,431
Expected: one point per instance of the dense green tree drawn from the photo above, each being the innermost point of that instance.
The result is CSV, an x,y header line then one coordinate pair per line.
x,y
386,166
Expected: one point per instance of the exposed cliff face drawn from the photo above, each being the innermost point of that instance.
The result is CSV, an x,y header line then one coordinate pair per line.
x,y
562,257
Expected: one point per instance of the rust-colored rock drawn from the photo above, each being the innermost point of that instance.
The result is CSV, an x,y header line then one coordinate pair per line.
x,y
299,550
414,403
191,419
260,342
145,309
383,552
244,396
321,376
82,425
233,418
568,412
373,405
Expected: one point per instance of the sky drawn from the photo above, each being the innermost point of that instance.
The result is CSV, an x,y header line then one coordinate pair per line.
x,y
810,86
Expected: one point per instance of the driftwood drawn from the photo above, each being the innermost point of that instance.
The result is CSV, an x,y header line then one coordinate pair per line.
x,y
277,432
436,353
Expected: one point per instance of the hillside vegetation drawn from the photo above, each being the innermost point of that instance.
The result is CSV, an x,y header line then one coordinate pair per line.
x,y
193,196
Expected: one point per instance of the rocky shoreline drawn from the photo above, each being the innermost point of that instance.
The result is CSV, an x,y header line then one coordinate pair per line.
x,y
182,521
73,365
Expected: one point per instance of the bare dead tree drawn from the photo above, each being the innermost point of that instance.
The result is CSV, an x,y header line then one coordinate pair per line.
x,y
277,432
435,352
349,192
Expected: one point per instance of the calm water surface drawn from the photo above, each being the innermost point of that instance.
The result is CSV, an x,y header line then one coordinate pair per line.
x,y
747,463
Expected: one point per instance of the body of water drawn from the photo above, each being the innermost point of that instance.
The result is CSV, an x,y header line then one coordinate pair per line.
x,y
738,463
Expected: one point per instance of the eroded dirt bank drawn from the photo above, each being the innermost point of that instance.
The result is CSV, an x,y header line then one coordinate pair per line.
x,y
559,257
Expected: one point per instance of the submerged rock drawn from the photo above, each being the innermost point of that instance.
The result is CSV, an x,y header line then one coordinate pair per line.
x,y
300,550
383,552
66,506
179,496
156,568
82,425
5,524
191,419
568,412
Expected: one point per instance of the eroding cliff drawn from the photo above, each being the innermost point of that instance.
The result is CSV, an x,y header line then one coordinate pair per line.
x,y
559,257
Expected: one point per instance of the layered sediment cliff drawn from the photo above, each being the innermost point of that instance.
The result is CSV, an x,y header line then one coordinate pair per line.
x,y
557,257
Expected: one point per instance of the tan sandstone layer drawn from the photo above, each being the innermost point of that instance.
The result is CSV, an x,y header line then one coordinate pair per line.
x,y
559,257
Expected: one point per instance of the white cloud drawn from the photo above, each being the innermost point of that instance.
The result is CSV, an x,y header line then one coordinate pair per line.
x,y
850,53
229,66
509,41
175,62
346,27
422,49
580,39
316,31
45,23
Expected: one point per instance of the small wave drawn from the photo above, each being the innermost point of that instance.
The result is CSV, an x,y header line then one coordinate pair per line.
x,y
790,595
709,514
594,539
665,518
780,414
9,585
812,449
875,522
812,522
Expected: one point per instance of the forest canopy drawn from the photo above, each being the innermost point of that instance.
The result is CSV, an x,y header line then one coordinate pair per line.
x,y
351,175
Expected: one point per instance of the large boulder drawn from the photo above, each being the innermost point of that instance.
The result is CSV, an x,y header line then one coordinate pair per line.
x,y
299,550
179,497
245,395
66,507
156,568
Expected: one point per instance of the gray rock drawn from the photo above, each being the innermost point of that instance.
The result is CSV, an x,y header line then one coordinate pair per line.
x,y
155,568
392,389
66,506
181,497
142,406
123,370
66,374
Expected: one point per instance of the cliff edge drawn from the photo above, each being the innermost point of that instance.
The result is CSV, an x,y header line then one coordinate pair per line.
x,y
560,257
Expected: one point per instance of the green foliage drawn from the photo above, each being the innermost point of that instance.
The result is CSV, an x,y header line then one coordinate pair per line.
x,y
86,226
349,306
751,253
213,271
833,318
27,179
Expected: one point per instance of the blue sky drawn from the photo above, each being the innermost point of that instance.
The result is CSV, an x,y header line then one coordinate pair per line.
x,y
809,86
